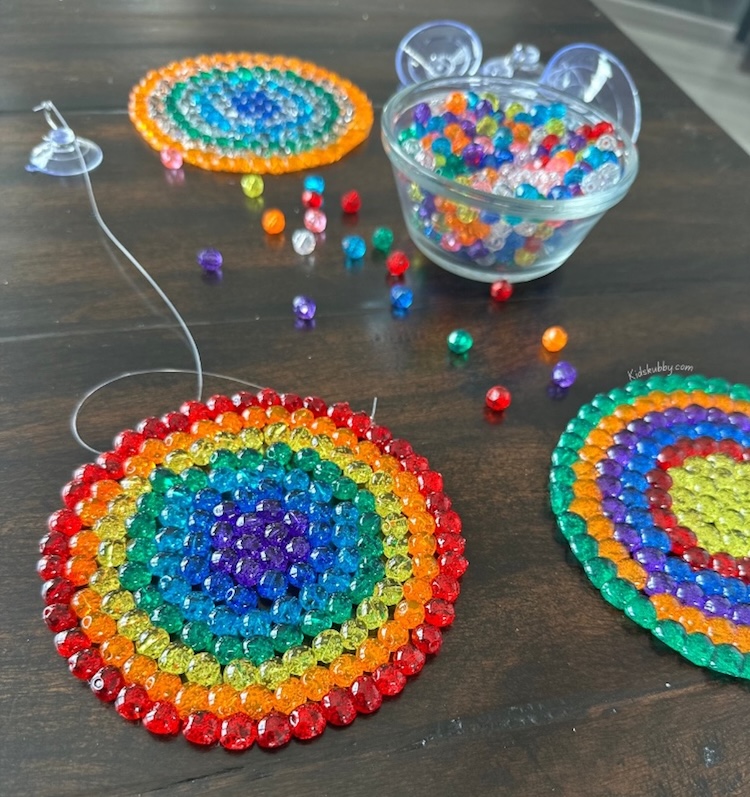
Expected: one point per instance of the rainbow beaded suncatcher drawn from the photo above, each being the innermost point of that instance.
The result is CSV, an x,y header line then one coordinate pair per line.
x,y
251,568
650,485
249,112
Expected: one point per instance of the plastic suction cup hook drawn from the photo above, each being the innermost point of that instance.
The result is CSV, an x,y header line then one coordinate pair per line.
x,y
438,49
61,152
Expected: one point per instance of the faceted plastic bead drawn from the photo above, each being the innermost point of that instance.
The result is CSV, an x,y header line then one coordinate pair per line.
x,y
501,290
498,398
314,182
274,731
107,683
238,732
59,617
402,297
307,721
427,638
382,239
315,220
303,242
312,199
397,263
351,202
273,221
71,641
338,707
366,696
554,339
439,613
202,728
252,185
409,660
133,702
460,341
85,663
171,158
389,680
162,719
564,374
304,308
354,247
210,260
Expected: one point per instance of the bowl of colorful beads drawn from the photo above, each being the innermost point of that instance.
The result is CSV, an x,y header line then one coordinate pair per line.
x,y
502,178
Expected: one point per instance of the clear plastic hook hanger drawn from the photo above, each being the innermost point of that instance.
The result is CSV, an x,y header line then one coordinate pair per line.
x,y
61,153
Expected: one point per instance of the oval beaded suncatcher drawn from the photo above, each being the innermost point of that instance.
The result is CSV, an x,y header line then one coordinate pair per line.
x,y
651,487
251,569
250,112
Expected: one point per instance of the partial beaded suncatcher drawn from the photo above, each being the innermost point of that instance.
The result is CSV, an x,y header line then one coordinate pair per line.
x,y
251,569
250,112
650,485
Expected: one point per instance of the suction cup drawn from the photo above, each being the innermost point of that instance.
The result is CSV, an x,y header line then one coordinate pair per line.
x,y
61,153
523,58
438,49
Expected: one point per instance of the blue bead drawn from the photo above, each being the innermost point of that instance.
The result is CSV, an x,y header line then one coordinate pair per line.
x,y
345,535
335,582
503,138
255,623
170,540
540,114
223,479
319,534
194,569
286,610
735,590
354,247
174,589
240,599
558,110
197,542
301,574
678,569
173,516
197,606
178,496
296,480
346,511
523,118
206,499
653,537
223,621
347,559
322,559
217,585
574,176
313,596
272,585
559,192
297,500
165,564
314,182
648,447
402,297
320,492
709,582
637,481
633,499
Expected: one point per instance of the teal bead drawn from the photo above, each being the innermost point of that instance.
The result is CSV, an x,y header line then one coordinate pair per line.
x,y
134,575
727,659
257,649
150,504
197,635
641,611
560,497
280,453
227,648
571,525
306,459
344,488
365,502
313,622
369,523
141,549
562,475
564,456
167,617
599,571
141,524
618,592
460,341
148,598
162,479
223,459
584,547
382,239
671,634
326,472
250,459
194,479
698,649
339,607
284,637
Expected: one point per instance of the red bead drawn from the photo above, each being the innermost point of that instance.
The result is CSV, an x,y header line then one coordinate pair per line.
x,y
452,564
446,588
340,412
359,423
54,544
379,435
176,422
397,263
659,478
202,728
153,428
112,463
743,568
274,730
398,448
268,398
664,518
366,695
85,663
57,590
438,502
307,721
682,539
448,521
501,290
89,473
238,732
316,405
427,638
498,398
697,558
128,443
291,402
409,660
59,617
601,129
415,463
243,399
670,457
429,481
725,565
133,702
312,199
220,404
64,521
107,683
584,130
550,141
446,541
660,499
338,707
439,612
731,449
51,566
195,411
162,719
389,680
69,642
75,491
350,202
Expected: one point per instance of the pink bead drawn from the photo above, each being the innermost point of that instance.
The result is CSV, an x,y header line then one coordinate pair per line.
x,y
171,158
315,220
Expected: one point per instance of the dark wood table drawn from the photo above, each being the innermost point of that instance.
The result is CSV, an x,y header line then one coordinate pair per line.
x,y
541,687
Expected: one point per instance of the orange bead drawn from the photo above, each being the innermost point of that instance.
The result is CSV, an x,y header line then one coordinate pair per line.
x,y
289,695
178,441
742,638
273,221
456,103
163,686
256,701
323,426
591,453
205,428
425,566
693,621
116,650
85,602
153,450
610,424
409,614
417,589
626,413
90,510
85,543
392,635
582,488
191,698
301,418
79,569
138,669
613,550
254,417
584,470
317,682
600,528
344,437
600,438
414,504
224,700
667,606
585,507
387,464
372,654
230,422
421,544
278,414
631,571
366,451
421,523
721,631
105,490
345,669
138,466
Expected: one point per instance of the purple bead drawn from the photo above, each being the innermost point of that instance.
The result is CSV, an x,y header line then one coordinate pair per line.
x,y
639,427
477,250
268,510
741,613
628,536
210,260
739,420
613,509
608,467
715,415
275,532
608,486
619,454
274,558
222,534
468,127
674,415
719,606
224,561
297,549
651,558
484,108
691,595
626,438
304,308
248,571
227,511
248,545
296,521
250,523
564,374
472,154
656,420
659,583
576,143
695,413
422,113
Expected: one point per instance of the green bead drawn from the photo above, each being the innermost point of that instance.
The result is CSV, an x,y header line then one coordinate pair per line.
x,y
175,658
382,239
562,475
344,488
279,452
134,576
671,634
727,659
194,479
740,392
641,611
162,479
561,496
141,550
618,592
571,525
361,587
583,547
197,635
460,341
249,459
564,456
284,637
698,649
258,649
203,669
571,440
223,459
167,617
365,503
599,571
327,646
227,648
603,403
240,674
141,525
313,622
326,472
339,606
590,414
150,504
306,459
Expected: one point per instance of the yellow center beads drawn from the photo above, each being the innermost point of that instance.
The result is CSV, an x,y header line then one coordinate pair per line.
x,y
251,113
252,568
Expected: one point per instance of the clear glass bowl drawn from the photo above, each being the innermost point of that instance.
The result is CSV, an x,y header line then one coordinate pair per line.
x,y
551,229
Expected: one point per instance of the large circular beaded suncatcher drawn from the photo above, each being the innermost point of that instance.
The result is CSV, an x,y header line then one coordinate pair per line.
x,y
650,485
250,112
251,568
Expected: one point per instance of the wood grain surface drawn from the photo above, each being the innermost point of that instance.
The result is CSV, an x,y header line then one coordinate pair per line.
x,y
541,687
